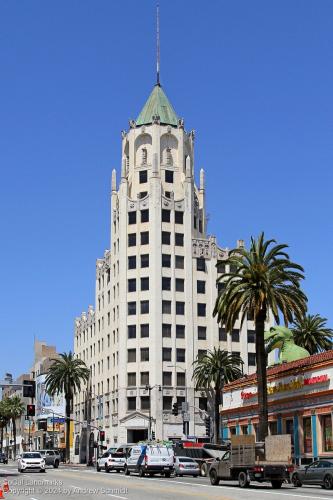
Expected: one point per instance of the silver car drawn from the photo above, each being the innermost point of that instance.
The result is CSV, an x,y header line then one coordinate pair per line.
x,y
186,466
319,472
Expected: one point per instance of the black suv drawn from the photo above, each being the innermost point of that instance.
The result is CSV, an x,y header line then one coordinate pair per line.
x,y
3,458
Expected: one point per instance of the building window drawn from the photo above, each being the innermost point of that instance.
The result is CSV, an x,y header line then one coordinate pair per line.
x,y
132,239
195,222
166,283
222,334
251,336
131,285
167,403
166,354
166,306
201,353
166,260
167,194
167,379
144,156
144,353
166,237
180,331
131,217
144,330
144,306
179,239
144,378
202,333
200,225
166,330
131,355
180,355
326,429
131,331
131,403
180,308
201,265
179,285
165,215
181,382
144,284
179,217
203,404
131,308
145,402
180,401
144,237
307,435
201,309
179,264
132,262
235,335
220,267
144,260
201,286
250,315
251,357
131,379
144,215
143,176
169,176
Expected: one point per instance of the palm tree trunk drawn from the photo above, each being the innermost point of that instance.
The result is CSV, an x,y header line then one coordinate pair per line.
x,y
261,358
68,426
1,439
217,414
14,437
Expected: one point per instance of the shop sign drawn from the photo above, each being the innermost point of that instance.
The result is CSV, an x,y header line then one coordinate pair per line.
x,y
294,384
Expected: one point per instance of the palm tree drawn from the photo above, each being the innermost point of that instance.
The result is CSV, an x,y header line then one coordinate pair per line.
x,y
3,421
212,370
310,332
14,408
66,375
260,280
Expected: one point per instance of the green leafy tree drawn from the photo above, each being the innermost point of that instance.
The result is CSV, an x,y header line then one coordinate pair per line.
x,y
14,409
311,333
65,375
211,371
261,280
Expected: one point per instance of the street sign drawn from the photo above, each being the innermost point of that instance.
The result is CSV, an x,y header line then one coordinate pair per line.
x,y
186,417
185,406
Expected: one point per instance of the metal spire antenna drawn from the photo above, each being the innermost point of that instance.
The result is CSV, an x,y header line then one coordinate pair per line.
x,y
158,44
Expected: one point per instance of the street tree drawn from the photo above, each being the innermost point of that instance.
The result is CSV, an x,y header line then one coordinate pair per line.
x,y
311,333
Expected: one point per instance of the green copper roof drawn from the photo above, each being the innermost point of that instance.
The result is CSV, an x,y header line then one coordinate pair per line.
x,y
157,105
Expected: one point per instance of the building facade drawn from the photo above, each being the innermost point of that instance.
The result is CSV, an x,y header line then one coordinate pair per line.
x,y
155,290
300,403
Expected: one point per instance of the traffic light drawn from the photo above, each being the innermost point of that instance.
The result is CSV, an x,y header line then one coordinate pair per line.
x,y
30,410
153,435
175,409
102,435
29,389
207,425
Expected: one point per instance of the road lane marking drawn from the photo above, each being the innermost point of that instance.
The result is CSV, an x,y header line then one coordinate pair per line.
x,y
117,496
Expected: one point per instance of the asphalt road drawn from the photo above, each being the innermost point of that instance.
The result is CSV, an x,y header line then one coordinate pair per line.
x,y
81,483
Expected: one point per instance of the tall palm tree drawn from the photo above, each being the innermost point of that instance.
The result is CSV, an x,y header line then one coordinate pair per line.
x,y
261,279
3,421
211,371
310,331
66,375
14,408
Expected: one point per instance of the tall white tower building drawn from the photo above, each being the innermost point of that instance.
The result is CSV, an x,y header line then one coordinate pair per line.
x,y
155,289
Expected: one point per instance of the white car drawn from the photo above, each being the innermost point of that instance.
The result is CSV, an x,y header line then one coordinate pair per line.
x,y
150,459
31,460
111,461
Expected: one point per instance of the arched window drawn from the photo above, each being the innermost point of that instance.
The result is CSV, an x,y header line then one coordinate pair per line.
x,y
168,156
144,156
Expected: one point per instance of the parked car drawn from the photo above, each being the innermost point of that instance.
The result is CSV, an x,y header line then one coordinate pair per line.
x,y
149,459
31,460
318,472
186,466
51,457
3,458
111,461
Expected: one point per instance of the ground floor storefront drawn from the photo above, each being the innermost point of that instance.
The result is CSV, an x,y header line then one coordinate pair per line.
x,y
300,403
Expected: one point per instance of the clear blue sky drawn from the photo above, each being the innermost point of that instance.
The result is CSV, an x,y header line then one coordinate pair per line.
x,y
253,78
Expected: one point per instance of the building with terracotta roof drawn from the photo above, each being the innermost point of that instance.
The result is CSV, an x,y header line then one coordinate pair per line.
x,y
300,403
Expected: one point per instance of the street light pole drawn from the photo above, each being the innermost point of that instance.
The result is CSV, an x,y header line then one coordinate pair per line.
x,y
186,424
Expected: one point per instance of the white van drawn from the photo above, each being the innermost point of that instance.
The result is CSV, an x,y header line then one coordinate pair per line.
x,y
149,459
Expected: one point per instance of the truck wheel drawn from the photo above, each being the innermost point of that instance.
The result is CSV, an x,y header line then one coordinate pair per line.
x,y
141,472
243,480
276,484
167,473
328,482
126,471
214,479
56,464
203,469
